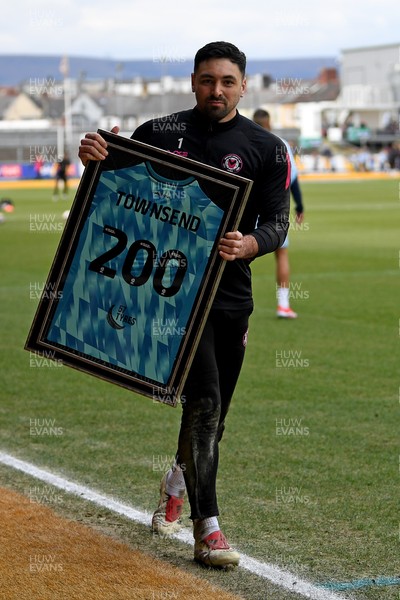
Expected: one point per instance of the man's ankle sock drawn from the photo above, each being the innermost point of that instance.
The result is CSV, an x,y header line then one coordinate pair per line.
x,y
203,527
175,484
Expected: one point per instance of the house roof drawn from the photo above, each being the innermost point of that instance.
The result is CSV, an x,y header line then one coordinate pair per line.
x,y
316,92
5,101
52,106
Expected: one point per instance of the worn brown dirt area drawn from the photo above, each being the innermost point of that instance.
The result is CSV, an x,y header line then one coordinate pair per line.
x,y
47,557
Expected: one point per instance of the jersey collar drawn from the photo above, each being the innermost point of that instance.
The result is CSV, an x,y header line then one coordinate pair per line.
x,y
213,126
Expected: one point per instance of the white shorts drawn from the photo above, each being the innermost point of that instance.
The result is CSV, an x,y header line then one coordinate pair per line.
x,y
286,242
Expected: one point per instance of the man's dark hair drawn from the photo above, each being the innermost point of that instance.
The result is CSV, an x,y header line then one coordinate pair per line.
x,y
221,50
260,113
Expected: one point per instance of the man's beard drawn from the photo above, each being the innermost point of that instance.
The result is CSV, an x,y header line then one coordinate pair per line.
x,y
216,113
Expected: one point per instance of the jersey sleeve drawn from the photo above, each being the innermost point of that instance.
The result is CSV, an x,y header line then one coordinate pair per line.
x,y
143,133
273,200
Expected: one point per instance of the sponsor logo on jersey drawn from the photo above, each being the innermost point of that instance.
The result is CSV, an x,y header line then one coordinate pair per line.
x,y
121,319
232,163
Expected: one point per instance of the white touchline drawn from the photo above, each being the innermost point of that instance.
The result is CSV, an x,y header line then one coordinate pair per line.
x,y
274,574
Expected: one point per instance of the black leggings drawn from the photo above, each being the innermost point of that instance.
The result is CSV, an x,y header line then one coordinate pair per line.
x,y
205,402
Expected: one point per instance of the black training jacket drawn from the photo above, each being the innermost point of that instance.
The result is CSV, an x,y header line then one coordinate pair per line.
x,y
242,147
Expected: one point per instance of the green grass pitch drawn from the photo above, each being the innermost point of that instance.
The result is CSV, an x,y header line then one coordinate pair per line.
x,y
309,464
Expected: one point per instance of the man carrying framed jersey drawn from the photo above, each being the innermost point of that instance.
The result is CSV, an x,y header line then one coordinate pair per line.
x,y
213,132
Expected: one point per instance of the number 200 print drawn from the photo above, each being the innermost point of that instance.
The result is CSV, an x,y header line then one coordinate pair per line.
x,y
171,258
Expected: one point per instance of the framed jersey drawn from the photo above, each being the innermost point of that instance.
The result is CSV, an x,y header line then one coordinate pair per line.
x,y
137,267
